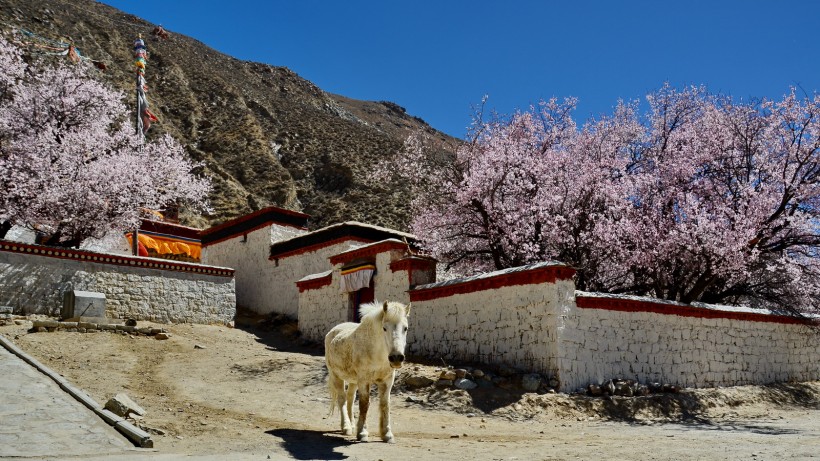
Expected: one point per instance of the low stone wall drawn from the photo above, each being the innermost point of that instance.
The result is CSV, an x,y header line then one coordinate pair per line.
x,y
34,279
504,318
604,337
531,318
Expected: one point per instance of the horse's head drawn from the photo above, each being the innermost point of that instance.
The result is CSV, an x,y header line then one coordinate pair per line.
x,y
394,325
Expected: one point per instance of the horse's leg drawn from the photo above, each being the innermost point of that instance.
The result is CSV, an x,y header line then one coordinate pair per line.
x,y
364,404
384,408
351,397
338,391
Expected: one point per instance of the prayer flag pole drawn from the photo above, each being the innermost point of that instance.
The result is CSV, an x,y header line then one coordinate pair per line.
x,y
140,56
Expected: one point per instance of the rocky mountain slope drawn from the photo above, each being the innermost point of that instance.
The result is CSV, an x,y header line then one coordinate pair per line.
x,y
265,135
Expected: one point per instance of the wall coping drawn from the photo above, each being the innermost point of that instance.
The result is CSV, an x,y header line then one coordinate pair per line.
x,y
368,250
315,281
544,272
168,236
628,303
413,262
113,259
253,221
331,235
170,229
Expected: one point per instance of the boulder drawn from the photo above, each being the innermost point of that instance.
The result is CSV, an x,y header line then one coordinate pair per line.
x,y
642,390
623,389
465,384
417,381
122,405
448,375
595,390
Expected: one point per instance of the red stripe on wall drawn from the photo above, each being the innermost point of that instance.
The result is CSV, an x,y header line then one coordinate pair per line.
x,y
631,305
112,259
528,277
313,284
370,250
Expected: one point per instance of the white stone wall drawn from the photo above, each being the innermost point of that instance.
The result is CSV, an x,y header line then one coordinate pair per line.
x,y
320,309
248,255
600,344
264,285
281,279
389,285
512,325
279,233
538,327
36,284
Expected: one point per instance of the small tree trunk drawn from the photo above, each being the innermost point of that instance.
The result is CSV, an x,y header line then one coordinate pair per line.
x,y
5,227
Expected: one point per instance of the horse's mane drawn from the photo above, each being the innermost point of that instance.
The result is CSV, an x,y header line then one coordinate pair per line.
x,y
370,312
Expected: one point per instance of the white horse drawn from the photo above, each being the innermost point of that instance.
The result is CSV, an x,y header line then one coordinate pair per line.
x,y
362,354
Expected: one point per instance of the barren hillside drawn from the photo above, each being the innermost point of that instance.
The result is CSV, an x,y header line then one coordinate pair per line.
x,y
265,135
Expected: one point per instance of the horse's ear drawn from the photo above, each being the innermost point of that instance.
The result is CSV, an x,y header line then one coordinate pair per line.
x,y
407,310
385,306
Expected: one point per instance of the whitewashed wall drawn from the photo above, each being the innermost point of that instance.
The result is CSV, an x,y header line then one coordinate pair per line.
x,y
538,326
248,254
281,279
387,284
690,351
138,288
513,325
320,309
264,285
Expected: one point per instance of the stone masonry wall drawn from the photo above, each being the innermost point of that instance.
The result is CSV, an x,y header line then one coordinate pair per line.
x,y
138,288
390,285
683,345
511,322
281,278
248,255
532,318
323,306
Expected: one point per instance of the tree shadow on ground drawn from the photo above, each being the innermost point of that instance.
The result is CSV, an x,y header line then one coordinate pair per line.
x,y
311,445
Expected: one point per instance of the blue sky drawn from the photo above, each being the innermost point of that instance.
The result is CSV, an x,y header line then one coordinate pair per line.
x,y
438,58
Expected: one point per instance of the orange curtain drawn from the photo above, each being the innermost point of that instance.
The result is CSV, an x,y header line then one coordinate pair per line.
x,y
168,246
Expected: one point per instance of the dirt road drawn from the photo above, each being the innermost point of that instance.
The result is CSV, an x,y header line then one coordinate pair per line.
x,y
217,390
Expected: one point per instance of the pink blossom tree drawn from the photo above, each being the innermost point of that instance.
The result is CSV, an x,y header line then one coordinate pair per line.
x,y
70,163
698,199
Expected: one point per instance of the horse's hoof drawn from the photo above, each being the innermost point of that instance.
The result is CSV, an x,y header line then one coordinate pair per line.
x,y
347,431
362,437
389,438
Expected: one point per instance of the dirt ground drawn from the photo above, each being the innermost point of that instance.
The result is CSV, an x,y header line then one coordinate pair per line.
x,y
257,390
